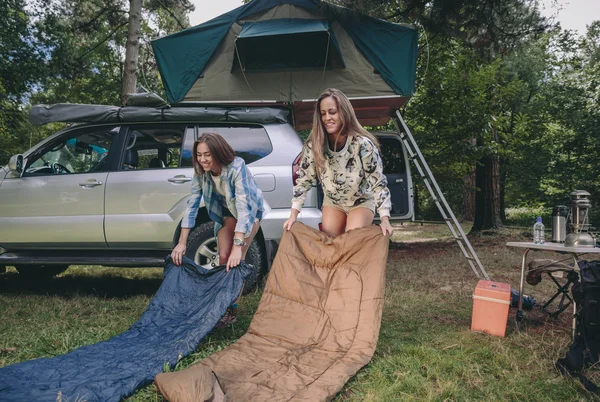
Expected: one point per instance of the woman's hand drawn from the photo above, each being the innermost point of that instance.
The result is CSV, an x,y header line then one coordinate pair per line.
x,y
235,258
287,225
178,253
386,227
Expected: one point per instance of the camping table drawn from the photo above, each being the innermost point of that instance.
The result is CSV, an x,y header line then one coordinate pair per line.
x,y
575,252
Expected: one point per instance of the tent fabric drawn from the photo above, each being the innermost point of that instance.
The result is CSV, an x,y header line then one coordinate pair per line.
x,y
145,99
285,45
185,58
316,325
538,266
187,306
219,84
282,27
76,113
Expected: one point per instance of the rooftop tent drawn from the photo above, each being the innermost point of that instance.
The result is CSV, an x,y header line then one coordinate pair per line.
x,y
289,51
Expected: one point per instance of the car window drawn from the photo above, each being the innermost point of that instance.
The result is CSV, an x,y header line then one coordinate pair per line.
x,y
392,155
249,143
83,151
155,146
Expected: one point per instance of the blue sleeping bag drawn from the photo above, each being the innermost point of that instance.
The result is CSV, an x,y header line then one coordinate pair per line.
x,y
186,307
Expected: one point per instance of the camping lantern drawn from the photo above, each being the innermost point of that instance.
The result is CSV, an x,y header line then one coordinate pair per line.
x,y
578,219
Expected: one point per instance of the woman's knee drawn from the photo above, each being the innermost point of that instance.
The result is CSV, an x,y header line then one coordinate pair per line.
x,y
223,258
334,221
359,218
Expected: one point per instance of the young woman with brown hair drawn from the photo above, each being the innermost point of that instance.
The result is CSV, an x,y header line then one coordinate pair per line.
x,y
232,199
345,158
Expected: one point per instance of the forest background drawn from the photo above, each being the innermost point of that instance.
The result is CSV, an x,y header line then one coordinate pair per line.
x,y
506,109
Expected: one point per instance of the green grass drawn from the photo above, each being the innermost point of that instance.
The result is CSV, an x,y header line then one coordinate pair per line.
x,y
426,350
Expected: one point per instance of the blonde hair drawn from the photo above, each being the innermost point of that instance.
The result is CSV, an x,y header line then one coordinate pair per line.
x,y
350,125
220,150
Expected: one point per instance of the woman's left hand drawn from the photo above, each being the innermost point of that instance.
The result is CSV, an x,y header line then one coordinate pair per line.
x,y
386,227
235,258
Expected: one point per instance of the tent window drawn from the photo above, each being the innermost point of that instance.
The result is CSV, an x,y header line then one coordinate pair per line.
x,y
286,45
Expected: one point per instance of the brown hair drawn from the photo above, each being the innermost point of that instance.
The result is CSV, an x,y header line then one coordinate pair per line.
x,y
221,151
350,125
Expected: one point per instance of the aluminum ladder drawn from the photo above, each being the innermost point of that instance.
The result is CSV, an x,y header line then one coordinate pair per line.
x,y
417,158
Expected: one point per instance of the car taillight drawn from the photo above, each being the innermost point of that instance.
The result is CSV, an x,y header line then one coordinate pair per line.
x,y
296,168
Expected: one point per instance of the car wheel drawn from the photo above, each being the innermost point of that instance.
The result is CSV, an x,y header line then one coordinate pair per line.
x,y
41,271
202,248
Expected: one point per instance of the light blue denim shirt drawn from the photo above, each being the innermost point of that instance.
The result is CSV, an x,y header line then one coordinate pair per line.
x,y
243,198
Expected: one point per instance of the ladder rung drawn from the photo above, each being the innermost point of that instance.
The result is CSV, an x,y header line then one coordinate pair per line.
x,y
416,156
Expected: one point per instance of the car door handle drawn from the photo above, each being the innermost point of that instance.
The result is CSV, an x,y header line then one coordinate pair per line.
x,y
90,183
179,179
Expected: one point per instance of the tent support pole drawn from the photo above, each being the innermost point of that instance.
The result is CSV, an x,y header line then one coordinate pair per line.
x,y
417,158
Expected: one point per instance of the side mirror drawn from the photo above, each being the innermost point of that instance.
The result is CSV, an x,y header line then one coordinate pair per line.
x,y
15,164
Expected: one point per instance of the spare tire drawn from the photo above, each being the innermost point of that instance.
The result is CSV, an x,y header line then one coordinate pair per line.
x,y
202,249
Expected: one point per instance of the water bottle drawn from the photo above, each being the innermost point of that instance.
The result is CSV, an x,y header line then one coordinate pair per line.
x,y
538,231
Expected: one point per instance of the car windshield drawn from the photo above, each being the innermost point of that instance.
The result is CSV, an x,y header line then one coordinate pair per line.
x,y
77,154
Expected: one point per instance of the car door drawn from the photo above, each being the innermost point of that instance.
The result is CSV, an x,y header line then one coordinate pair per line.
x,y
397,170
59,200
147,196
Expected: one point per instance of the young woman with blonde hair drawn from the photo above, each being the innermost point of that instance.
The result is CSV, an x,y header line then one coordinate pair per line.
x,y
233,201
345,158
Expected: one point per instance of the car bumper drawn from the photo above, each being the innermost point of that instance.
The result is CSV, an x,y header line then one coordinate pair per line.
x,y
272,223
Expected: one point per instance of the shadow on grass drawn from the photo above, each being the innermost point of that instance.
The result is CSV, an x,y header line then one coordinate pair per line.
x,y
11,283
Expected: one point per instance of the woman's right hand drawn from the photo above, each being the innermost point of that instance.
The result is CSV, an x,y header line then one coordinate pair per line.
x,y
178,253
287,225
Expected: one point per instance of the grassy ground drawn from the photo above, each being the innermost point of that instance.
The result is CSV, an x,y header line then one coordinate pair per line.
x,y
426,350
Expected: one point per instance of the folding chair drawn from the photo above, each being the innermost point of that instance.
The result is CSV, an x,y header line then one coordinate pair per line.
x,y
534,276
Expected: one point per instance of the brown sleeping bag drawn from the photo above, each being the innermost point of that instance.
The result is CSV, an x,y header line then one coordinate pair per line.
x,y
316,325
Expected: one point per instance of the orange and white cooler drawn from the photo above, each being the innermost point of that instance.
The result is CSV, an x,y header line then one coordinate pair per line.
x,y
491,302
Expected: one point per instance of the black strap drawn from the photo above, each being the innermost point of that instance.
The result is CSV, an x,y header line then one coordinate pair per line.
x,y
563,367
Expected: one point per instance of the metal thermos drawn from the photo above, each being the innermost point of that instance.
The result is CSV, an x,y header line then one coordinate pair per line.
x,y
559,223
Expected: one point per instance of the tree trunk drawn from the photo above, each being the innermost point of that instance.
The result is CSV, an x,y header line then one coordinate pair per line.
x,y
470,187
130,71
503,165
487,199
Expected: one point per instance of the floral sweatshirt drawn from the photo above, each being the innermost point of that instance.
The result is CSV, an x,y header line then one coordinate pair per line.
x,y
351,176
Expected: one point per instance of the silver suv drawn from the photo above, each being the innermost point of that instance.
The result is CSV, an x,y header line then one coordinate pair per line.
x,y
115,194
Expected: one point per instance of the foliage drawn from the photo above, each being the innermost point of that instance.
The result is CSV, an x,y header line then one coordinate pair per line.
x,y
558,128
525,216
71,51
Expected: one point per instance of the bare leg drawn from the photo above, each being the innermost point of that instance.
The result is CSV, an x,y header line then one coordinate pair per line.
x,y
359,218
225,239
334,221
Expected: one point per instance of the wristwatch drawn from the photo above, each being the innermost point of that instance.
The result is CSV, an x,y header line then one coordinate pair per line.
x,y
238,242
